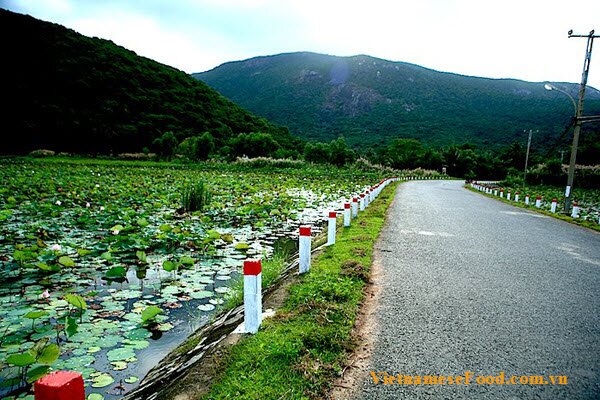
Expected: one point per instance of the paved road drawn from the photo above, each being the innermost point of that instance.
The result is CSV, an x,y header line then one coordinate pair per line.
x,y
471,284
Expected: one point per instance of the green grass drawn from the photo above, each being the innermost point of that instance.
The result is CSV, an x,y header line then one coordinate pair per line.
x,y
299,353
271,269
521,204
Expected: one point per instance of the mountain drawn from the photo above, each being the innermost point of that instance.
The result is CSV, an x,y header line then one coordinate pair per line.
x,y
68,92
370,101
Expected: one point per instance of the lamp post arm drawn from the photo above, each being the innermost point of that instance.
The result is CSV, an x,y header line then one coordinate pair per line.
x,y
569,96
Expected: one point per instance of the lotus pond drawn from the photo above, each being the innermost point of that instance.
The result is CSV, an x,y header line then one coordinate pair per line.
x,y
103,273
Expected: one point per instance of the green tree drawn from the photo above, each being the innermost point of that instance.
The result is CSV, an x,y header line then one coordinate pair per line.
x,y
404,154
340,153
205,145
461,161
255,144
317,153
165,145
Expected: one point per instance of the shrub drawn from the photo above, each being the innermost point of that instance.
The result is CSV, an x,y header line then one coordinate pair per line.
x,y
165,145
42,153
265,162
195,197
136,156
254,144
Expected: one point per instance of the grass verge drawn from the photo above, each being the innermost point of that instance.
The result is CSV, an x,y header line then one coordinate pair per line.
x,y
299,353
581,222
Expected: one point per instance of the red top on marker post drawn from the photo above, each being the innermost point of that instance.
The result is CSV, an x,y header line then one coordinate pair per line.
x,y
346,205
332,214
252,267
60,385
305,231
355,200
362,195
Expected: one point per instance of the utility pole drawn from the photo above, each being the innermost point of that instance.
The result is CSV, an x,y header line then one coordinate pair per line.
x,y
586,68
527,158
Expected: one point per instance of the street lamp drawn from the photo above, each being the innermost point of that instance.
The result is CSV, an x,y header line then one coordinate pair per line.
x,y
549,86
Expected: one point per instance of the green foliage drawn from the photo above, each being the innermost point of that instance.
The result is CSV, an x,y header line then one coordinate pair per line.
x,y
149,314
49,354
197,148
317,152
78,94
256,144
21,359
514,178
170,266
165,145
403,154
76,300
195,197
205,145
373,101
337,152
116,273
300,352
66,261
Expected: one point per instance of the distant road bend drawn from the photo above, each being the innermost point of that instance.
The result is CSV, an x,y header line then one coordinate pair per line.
x,y
470,284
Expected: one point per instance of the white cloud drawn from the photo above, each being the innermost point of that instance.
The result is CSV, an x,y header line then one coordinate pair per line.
x,y
189,51
500,39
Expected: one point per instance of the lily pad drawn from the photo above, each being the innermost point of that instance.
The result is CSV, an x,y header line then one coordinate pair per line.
x,y
131,379
150,313
102,380
20,359
66,261
242,246
206,307
120,354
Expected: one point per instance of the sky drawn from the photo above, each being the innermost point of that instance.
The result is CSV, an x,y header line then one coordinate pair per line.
x,y
521,39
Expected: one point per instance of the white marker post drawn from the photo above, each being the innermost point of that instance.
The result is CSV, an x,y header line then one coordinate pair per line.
x,y
331,228
361,202
495,192
517,197
501,193
366,198
354,207
527,199
508,196
347,217
304,249
553,206
575,212
538,201
252,295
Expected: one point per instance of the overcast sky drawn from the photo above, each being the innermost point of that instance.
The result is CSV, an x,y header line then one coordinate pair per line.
x,y
523,39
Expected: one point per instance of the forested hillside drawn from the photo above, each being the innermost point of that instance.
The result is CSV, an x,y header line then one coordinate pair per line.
x,y
68,92
371,101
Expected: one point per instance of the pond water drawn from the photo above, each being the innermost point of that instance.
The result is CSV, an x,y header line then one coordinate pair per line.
x,y
119,266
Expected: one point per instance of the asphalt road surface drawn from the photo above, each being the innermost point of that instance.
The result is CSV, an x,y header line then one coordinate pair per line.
x,y
470,284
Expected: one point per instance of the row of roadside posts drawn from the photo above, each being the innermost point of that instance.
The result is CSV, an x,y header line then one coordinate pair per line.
x,y
69,385
494,191
253,268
